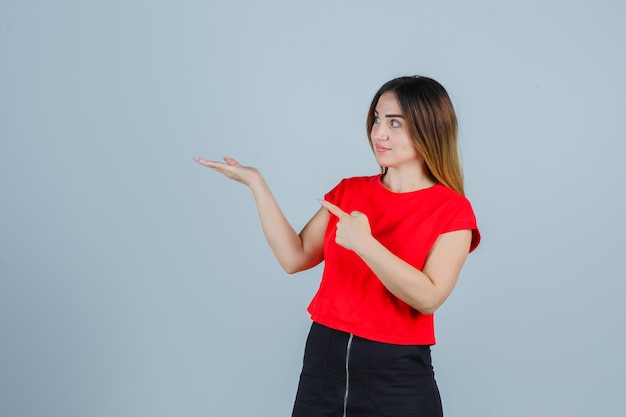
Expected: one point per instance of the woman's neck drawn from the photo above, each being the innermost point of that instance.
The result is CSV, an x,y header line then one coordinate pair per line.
x,y
406,180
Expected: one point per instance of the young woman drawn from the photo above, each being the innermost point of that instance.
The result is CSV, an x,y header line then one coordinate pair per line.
x,y
393,246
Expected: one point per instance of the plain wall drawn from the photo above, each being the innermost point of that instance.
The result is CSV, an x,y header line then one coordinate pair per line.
x,y
134,282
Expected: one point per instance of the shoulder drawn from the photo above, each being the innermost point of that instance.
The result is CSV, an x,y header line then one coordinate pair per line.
x,y
459,213
365,179
357,182
445,195
351,187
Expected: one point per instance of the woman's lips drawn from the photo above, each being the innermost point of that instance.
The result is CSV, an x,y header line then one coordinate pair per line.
x,y
380,148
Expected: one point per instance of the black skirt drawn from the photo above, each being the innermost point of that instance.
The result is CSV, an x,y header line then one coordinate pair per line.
x,y
348,376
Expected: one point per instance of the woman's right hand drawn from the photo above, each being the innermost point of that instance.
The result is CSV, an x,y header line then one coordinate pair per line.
x,y
233,170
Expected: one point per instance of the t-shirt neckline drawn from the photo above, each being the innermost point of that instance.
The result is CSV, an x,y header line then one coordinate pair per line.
x,y
379,181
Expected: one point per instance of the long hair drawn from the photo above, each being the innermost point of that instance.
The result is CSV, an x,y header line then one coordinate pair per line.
x,y
432,125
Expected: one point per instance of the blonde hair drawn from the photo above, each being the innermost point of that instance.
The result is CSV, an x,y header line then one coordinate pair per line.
x,y
431,123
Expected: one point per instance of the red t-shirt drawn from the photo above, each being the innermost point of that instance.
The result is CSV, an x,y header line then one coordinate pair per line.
x,y
350,297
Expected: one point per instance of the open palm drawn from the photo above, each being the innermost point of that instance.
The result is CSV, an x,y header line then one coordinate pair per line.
x,y
232,169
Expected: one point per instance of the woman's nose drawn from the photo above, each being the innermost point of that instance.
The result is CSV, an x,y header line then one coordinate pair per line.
x,y
379,132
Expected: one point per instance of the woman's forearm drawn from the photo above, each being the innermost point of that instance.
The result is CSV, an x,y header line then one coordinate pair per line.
x,y
286,244
425,290
295,252
403,280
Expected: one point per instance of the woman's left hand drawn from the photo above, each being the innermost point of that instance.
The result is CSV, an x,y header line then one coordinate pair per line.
x,y
353,230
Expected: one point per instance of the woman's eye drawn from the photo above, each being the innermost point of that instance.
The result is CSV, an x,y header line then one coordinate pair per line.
x,y
395,123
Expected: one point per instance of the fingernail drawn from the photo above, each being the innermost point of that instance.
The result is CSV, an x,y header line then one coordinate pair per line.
x,y
196,160
319,200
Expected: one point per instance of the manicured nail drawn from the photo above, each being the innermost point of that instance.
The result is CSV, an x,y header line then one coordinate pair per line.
x,y
319,200
197,160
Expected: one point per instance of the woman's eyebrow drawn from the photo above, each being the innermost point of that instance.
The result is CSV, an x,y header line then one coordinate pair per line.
x,y
391,115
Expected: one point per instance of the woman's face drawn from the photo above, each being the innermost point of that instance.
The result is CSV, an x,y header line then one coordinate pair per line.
x,y
390,138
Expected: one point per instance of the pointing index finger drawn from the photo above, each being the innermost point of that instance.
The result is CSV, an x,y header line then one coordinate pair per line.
x,y
333,209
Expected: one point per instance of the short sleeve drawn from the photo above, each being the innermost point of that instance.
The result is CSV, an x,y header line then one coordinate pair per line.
x,y
462,217
334,195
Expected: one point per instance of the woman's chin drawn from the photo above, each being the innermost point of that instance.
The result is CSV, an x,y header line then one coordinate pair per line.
x,y
381,162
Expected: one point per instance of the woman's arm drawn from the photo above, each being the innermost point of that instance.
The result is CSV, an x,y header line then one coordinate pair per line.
x,y
423,290
295,252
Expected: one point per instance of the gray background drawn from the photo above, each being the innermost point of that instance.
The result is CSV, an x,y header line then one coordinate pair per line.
x,y
137,283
